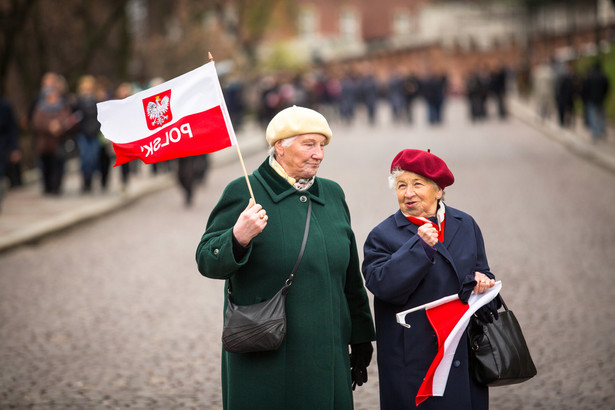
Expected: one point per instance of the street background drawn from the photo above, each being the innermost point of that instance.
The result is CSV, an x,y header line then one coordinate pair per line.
x,y
112,313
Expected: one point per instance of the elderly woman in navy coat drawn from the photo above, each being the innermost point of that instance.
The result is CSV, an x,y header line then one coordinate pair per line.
x,y
423,252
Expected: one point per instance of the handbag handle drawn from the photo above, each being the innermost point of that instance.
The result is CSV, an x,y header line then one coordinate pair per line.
x,y
289,281
502,300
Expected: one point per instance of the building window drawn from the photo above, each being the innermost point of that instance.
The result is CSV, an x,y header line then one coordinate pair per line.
x,y
308,23
402,24
349,24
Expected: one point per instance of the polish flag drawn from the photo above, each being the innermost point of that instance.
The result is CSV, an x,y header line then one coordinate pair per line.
x,y
182,117
449,319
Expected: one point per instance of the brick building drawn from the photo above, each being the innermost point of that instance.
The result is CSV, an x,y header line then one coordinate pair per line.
x,y
427,35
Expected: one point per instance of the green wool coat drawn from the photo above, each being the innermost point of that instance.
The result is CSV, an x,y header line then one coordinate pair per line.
x,y
327,306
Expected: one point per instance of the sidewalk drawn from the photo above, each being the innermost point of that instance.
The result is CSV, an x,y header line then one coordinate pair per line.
x,y
28,216
577,139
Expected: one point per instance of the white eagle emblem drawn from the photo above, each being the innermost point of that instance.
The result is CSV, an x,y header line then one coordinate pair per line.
x,y
156,110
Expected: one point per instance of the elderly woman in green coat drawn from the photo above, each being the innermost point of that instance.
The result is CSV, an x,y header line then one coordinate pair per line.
x,y
254,246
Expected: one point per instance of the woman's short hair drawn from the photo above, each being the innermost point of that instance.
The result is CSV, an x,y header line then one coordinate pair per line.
x,y
285,143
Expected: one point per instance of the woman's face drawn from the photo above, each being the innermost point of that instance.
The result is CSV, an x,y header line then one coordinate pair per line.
x,y
417,195
302,158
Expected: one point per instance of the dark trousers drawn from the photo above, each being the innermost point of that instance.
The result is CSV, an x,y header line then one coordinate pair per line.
x,y
52,168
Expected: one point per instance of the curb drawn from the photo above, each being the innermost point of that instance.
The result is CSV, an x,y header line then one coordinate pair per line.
x,y
32,232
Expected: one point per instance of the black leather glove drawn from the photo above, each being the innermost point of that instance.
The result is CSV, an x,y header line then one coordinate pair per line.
x,y
489,312
360,356
466,288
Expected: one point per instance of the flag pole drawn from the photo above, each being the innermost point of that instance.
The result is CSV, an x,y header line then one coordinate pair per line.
x,y
401,316
243,166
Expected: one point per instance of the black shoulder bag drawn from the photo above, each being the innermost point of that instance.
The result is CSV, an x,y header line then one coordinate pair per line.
x,y
262,326
499,355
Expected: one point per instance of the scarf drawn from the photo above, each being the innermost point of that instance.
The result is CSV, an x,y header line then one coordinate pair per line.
x,y
420,220
301,184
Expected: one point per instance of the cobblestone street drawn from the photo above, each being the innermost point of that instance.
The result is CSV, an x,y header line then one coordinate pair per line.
x,y
114,314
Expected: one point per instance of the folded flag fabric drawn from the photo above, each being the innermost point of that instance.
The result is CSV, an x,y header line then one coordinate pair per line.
x,y
182,117
449,318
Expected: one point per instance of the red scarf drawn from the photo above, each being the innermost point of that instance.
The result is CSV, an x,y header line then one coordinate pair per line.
x,y
418,221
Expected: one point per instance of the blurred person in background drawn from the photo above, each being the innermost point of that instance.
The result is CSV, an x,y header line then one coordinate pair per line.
x,y
190,172
412,89
478,86
434,92
9,142
473,93
348,96
543,89
369,92
396,95
104,92
51,121
122,91
332,87
87,130
497,85
233,91
567,91
269,99
595,89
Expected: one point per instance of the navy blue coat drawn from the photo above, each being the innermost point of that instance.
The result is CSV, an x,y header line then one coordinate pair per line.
x,y
401,276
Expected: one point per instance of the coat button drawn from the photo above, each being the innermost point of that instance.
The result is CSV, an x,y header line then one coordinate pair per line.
x,y
216,251
303,198
456,363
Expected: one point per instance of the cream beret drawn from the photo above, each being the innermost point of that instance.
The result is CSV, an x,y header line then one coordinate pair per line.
x,y
295,120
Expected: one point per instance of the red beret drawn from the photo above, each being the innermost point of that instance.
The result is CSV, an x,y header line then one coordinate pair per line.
x,y
425,164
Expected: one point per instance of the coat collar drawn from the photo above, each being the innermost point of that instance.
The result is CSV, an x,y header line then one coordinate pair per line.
x,y
278,188
453,222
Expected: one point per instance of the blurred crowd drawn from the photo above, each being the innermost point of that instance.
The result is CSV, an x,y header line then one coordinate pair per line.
x,y
558,89
343,95
64,124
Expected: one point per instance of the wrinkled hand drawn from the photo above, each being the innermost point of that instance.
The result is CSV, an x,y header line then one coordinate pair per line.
x,y
483,283
250,223
360,356
428,233
480,283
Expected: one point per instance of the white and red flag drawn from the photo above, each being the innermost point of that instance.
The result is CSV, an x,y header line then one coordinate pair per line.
x,y
182,117
449,318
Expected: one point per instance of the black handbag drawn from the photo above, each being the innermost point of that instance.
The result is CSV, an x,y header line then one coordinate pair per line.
x,y
261,326
499,355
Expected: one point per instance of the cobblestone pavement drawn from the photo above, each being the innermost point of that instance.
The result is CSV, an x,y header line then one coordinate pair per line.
x,y
113,313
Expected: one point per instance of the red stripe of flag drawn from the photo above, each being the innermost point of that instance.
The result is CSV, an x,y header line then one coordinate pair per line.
x,y
443,319
195,134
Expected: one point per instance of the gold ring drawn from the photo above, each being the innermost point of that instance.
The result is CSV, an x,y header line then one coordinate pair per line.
x,y
262,216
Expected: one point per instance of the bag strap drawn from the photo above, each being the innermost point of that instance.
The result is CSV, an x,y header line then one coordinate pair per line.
x,y
289,281
502,300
